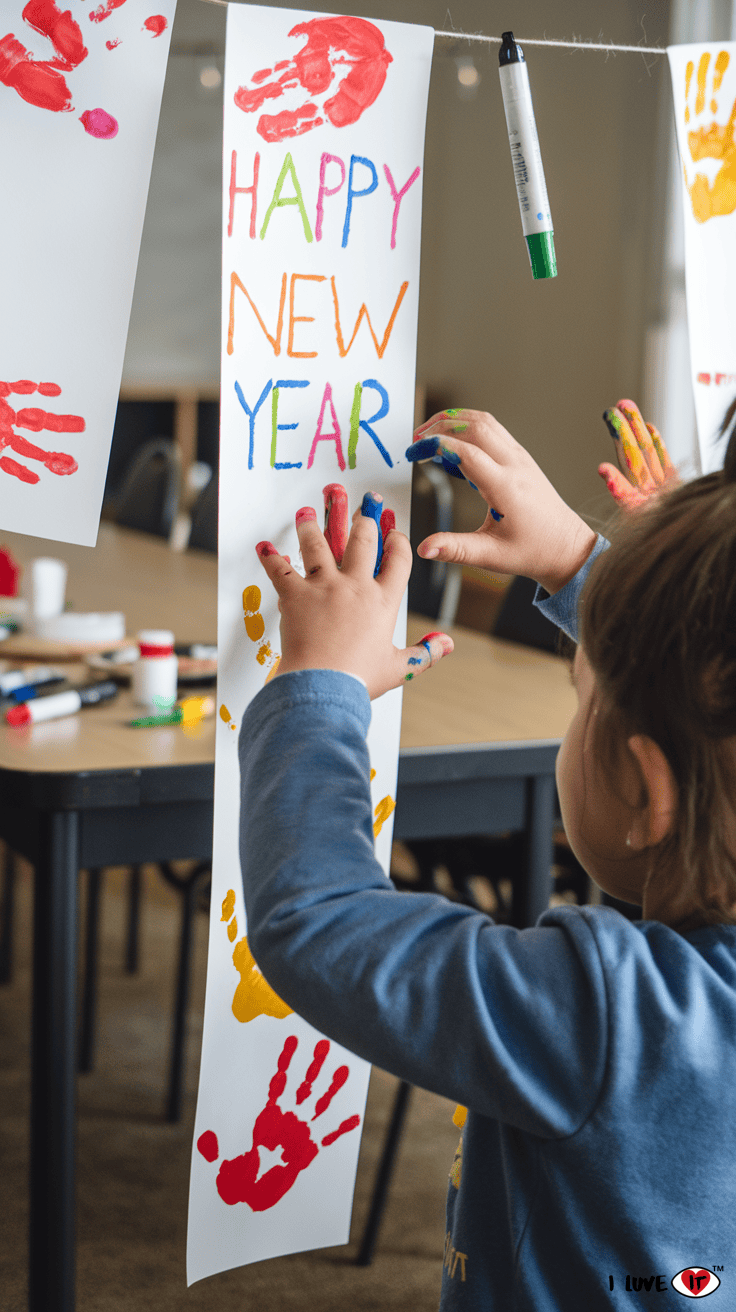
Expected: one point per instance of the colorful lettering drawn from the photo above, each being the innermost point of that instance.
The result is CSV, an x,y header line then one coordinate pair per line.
x,y
275,341
363,313
300,318
251,191
356,423
334,436
324,190
352,193
277,428
252,414
398,196
278,200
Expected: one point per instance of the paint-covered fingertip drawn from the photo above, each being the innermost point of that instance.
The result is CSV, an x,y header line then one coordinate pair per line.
x,y
333,492
305,515
388,522
371,505
423,449
437,645
266,549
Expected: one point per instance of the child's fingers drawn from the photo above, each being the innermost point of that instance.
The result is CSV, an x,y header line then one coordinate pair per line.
x,y
462,459
316,554
643,437
669,470
395,566
336,519
620,488
453,413
280,571
629,456
364,547
429,650
388,524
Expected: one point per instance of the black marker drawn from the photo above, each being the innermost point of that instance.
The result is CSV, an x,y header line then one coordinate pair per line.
x,y
61,703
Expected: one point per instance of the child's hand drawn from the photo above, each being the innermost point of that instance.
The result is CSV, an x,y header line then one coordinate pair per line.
x,y
644,463
344,618
528,529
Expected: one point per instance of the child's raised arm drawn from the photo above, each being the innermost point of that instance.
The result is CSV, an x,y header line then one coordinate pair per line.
x,y
529,529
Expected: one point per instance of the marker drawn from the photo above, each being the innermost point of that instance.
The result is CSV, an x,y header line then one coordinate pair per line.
x,y
34,675
190,711
536,220
61,703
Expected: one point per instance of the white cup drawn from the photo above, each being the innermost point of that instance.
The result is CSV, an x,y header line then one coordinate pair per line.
x,y
45,587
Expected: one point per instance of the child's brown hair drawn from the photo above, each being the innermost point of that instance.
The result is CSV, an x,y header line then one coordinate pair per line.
x,y
658,626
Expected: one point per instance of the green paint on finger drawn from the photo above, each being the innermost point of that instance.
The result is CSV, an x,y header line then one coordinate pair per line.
x,y
452,414
459,428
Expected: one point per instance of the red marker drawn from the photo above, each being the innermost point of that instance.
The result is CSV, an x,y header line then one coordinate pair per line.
x,y
61,703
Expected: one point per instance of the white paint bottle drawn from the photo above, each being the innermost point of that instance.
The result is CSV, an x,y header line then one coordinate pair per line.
x,y
155,671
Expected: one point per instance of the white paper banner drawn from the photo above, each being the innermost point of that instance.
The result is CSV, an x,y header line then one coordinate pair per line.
x,y
80,92
704,91
323,150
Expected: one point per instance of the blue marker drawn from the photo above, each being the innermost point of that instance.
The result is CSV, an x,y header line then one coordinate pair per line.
x,y
372,510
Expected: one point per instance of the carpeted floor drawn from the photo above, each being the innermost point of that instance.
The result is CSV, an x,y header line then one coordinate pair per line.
x,y
133,1168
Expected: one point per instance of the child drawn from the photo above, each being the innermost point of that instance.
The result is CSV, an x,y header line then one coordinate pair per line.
x,y
596,1055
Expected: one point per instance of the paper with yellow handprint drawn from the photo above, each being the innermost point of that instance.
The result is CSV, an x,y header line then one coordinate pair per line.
x,y
253,995
704,90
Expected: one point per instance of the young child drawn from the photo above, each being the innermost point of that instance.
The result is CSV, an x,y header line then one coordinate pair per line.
x,y
596,1056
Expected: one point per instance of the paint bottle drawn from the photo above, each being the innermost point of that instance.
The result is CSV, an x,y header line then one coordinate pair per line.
x,y
155,671
531,188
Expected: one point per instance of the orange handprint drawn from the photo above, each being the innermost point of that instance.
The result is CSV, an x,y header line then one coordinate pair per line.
x,y
36,420
237,1179
254,995
711,141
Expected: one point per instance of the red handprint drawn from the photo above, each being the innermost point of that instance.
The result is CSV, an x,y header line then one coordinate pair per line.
x,y
332,43
41,81
58,462
237,1179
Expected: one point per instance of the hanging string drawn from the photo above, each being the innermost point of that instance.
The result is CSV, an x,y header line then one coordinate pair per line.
x,y
525,41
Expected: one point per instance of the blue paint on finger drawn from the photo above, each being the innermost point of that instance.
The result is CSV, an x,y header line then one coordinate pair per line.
x,y
371,509
496,514
415,660
424,449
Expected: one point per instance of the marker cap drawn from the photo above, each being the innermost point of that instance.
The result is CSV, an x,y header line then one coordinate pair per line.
x,y
18,715
541,246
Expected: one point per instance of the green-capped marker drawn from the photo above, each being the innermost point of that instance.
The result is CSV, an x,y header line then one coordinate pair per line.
x,y
531,188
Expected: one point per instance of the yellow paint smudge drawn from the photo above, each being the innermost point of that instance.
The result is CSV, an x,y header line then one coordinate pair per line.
x,y
264,653
459,1116
688,77
382,813
254,622
254,995
232,929
723,59
373,774
228,904
273,669
703,63
226,717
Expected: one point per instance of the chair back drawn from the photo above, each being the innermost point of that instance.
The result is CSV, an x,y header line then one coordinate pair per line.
x,y
149,496
203,534
520,621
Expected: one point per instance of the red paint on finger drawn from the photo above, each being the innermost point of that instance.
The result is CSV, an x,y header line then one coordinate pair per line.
x,y
156,24
305,515
336,519
388,522
98,123
266,549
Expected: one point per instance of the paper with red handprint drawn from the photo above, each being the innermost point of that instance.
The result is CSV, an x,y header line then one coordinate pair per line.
x,y
80,92
704,90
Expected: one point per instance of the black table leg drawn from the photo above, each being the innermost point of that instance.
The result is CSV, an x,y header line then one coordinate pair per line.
x,y
383,1175
52,1231
531,895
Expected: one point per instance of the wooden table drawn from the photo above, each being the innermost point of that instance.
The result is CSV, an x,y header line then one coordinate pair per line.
x,y
479,739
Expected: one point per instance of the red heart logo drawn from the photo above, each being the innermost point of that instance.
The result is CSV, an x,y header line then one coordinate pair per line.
x,y
696,1280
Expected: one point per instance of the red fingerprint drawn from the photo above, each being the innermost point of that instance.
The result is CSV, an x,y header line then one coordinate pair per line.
x,y
35,420
155,24
208,1146
41,82
104,11
331,43
99,124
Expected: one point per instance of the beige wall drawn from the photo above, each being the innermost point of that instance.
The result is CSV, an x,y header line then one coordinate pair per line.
x,y
547,357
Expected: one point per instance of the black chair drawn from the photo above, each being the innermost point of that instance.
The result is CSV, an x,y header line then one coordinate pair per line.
x,y
203,534
148,499
520,621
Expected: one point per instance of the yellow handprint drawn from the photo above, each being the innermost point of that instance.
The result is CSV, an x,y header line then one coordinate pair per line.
x,y
711,141
253,996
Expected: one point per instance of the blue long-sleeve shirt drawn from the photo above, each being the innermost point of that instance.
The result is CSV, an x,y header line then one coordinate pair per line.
x,y
596,1056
